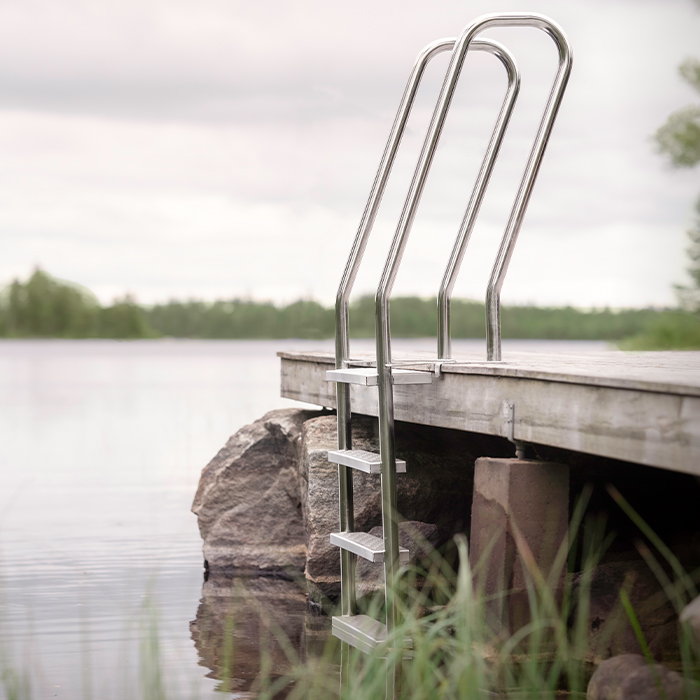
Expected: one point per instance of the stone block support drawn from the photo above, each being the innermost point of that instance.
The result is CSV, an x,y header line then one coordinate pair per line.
x,y
520,519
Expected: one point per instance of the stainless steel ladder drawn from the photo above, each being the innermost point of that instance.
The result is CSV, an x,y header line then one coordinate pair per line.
x,y
352,629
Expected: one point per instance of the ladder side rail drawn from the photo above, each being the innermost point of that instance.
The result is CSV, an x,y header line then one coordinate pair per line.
x,y
444,338
505,252
342,344
348,597
383,339
383,348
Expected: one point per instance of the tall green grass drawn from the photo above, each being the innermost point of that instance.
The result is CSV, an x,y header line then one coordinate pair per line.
x,y
455,652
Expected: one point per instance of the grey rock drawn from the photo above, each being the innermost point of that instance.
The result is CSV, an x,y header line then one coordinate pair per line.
x,y
420,539
436,489
610,631
630,677
248,502
690,619
319,500
605,682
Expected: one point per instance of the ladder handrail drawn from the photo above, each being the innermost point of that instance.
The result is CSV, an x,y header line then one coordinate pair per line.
x,y
500,268
342,350
444,340
383,339
505,252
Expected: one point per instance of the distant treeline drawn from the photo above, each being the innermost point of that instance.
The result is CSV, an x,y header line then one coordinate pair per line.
x,y
46,307
411,317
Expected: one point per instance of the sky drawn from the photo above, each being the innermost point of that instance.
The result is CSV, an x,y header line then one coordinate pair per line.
x,y
217,149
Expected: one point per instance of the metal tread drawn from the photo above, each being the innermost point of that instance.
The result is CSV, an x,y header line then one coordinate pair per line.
x,y
367,376
368,462
363,632
365,545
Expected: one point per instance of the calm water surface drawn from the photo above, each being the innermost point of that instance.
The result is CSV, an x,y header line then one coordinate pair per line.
x,y
101,446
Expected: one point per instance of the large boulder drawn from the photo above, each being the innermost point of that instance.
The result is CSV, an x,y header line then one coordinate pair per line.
x,y
248,503
690,619
610,630
420,539
631,677
436,491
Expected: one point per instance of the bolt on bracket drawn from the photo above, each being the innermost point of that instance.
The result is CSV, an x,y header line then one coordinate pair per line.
x,y
520,446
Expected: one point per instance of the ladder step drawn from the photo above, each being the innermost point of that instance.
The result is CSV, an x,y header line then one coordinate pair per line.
x,y
365,545
364,461
367,376
363,632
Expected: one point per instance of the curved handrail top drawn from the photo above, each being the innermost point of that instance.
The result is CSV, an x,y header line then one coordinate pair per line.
x,y
384,170
452,270
505,252
444,100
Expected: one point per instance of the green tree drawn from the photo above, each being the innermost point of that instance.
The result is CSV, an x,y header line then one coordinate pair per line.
x,y
679,139
124,320
46,307
690,295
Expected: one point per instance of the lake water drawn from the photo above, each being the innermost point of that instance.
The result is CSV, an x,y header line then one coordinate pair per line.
x,y
101,446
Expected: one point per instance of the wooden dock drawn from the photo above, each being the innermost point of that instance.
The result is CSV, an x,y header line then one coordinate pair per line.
x,y
639,407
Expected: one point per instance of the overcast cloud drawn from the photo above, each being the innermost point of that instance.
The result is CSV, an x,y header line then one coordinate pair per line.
x,y
219,149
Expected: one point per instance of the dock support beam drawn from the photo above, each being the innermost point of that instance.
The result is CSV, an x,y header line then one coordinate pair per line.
x,y
520,516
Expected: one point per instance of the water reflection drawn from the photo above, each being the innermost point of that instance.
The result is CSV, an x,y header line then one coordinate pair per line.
x,y
248,625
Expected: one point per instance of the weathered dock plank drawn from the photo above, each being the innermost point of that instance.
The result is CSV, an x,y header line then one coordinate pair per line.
x,y
639,407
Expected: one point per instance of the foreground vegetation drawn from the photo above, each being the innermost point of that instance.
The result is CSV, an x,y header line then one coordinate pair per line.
x,y
44,307
455,654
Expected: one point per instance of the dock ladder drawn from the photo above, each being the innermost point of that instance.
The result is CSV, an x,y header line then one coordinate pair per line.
x,y
361,631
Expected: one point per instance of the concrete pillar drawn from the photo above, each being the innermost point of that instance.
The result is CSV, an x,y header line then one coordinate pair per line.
x,y
520,516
